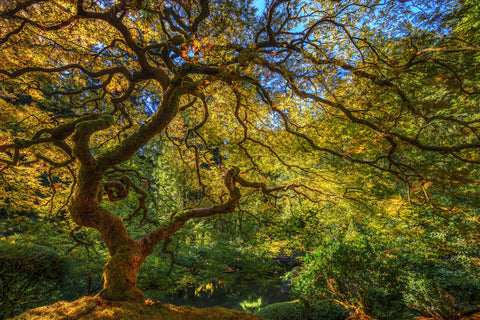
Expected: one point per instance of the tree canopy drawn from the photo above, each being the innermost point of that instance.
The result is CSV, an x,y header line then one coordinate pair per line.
x,y
314,100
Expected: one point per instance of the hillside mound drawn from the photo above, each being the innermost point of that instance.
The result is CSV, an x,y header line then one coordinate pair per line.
x,y
89,308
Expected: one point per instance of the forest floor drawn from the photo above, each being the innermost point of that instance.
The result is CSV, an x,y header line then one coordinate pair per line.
x,y
89,308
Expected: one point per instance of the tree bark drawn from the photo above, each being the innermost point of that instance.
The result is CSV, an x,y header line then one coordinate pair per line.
x,y
120,274
126,254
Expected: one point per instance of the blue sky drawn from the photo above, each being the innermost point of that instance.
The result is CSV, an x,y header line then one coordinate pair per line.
x,y
260,4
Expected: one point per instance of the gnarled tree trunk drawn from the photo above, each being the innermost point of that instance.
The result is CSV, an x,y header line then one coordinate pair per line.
x,y
120,274
127,254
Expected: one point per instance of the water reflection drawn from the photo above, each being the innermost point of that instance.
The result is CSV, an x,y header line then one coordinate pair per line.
x,y
243,295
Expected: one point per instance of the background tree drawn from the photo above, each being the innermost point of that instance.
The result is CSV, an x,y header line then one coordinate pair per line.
x,y
254,104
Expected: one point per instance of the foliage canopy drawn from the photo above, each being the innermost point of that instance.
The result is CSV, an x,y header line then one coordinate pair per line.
x,y
316,101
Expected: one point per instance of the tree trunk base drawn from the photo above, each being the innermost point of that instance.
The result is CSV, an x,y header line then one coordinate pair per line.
x,y
132,294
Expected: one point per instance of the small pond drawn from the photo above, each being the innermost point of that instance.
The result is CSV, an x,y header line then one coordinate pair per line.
x,y
243,296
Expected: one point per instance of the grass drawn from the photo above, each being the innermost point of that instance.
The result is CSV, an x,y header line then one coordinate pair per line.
x,y
89,308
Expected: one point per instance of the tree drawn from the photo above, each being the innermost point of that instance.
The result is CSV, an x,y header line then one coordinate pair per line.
x,y
263,104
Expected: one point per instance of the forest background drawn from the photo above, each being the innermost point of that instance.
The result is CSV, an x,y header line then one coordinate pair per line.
x,y
151,149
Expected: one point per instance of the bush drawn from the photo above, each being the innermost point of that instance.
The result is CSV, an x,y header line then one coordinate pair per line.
x,y
357,275
386,284
30,276
282,311
321,310
326,310
353,273
442,290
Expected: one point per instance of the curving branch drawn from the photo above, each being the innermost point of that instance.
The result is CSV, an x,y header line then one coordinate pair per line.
x,y
387,134
173,260
81,137
204,13
17,30
148,242
117,190
93,74
268,23
19,6
55,135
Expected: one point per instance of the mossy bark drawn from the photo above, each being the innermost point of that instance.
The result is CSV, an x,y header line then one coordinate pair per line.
x,y
120,274
126,254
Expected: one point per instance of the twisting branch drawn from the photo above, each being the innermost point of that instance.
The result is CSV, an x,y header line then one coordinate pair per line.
x,y
81,137
268,23
117,190
77,239
75,66
387,134
193,146
204,13
178,219
17,30
55,135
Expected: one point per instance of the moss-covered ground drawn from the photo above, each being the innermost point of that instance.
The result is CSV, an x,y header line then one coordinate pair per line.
x,y
89,308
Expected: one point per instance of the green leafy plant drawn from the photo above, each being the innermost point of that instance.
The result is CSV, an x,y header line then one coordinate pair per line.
x,y
442,290
295,310
30,275
251,305
352,273
386,283
282,311
259,111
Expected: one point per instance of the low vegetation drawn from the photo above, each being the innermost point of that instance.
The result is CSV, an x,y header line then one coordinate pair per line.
x,y
89,308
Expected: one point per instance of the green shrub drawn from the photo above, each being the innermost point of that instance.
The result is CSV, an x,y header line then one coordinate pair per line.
x,y
282,311
295,310
386,284
354,273
359,276
325,310
30,275
441,290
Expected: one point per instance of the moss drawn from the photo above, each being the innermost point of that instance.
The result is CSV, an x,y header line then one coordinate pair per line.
x,y
132,294
183,215
104,120
89,308
100,193
294,310
91,126
120,274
